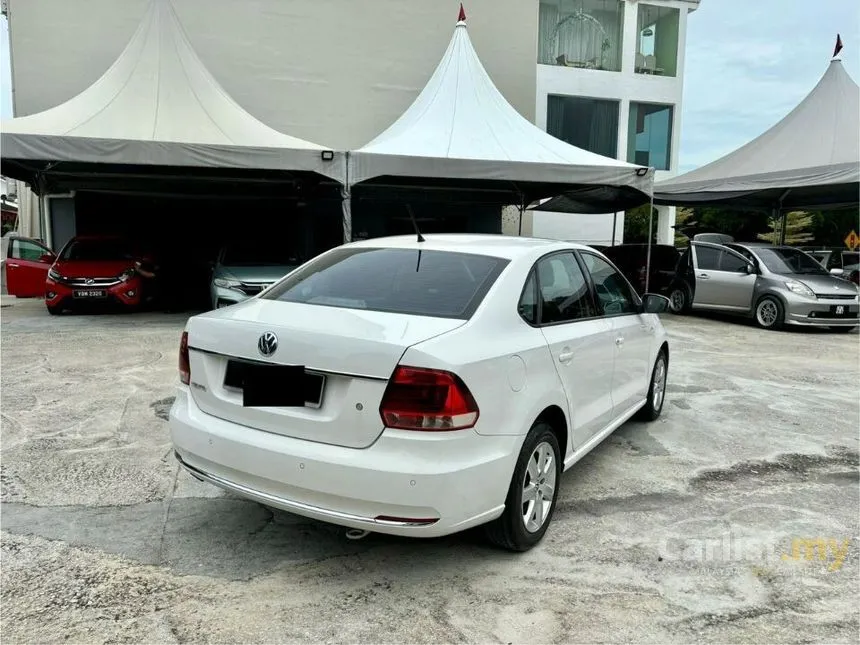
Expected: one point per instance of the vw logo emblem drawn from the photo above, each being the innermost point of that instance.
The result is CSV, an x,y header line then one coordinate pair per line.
x,y
267,344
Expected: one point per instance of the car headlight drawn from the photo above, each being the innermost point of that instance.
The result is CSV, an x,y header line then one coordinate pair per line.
x,y
226,283
55,275
799,288
126,275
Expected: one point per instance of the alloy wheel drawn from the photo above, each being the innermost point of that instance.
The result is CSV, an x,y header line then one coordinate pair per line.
x,y
767,313
538,487
659,385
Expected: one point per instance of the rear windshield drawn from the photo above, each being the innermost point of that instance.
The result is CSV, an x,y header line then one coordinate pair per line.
x,y
422,283
107,250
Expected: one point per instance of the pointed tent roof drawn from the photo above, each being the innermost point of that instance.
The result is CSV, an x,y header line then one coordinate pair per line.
x,y
158,105
460,127
810,159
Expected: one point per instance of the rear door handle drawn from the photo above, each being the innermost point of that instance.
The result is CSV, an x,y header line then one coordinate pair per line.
x,y
704,276
565,357
619,341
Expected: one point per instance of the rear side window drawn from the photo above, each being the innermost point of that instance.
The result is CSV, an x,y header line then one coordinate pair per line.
x,y
441,284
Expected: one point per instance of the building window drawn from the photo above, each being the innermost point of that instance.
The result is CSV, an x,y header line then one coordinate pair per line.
x,y
657,40
590,124
649,136
585,34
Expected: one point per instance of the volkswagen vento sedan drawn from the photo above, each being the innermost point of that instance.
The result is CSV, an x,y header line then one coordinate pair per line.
x,y
420,388
775,285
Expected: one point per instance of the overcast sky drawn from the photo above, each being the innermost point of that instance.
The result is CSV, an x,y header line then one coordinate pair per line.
x,y
749,62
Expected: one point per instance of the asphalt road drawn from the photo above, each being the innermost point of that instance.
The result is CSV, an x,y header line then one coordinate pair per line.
x,y
685,530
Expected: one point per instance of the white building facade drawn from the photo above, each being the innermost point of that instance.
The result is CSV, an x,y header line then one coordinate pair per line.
x,y
610,77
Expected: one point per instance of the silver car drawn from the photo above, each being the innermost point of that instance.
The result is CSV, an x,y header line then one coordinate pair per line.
x,y
775,285
244,269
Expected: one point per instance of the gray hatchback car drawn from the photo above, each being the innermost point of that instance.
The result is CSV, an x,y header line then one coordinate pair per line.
x,y
775,285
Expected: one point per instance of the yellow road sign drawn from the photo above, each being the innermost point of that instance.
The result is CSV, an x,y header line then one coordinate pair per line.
x,y
853,240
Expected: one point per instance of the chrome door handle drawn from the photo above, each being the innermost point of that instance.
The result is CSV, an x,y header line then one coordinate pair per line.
x,y
565,357
13,265
619,341
704,276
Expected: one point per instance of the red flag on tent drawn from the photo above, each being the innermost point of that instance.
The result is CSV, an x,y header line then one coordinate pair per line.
x,y
462,16
838,47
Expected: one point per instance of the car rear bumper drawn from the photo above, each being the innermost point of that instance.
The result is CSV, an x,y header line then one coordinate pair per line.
x,y
822,313
406,483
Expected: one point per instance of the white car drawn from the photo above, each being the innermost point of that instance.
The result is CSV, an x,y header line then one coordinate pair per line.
x,y
420,388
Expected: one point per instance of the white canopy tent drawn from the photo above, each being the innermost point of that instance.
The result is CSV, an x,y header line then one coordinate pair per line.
x,y
809,159
156,106
460,134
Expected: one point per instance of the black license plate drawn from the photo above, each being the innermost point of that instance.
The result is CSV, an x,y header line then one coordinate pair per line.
x,y
89,293
842,311
277,386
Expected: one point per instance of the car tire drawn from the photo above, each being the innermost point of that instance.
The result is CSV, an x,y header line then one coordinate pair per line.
x,y
679,299
769,313
512,531
842,330
657,390
54,311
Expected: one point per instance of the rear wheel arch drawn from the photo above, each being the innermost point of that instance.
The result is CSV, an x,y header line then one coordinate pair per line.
x,y
555,418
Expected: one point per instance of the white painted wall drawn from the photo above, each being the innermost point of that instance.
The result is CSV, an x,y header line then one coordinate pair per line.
x,y
624,86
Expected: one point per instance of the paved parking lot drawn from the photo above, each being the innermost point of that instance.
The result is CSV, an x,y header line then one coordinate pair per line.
x,y
733,518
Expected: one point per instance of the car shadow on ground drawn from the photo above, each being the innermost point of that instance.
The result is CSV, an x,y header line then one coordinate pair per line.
x,y
747,322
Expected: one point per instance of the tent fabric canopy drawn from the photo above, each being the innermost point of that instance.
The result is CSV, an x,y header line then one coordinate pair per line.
x,y
809,159
460,127
158,105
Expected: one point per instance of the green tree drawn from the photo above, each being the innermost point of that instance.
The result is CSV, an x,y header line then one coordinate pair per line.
x,y
798,229
636,225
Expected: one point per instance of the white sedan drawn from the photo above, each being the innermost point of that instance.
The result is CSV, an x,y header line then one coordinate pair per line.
x,y
420,388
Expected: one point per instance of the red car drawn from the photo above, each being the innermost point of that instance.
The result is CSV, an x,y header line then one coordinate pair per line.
x,y
95,270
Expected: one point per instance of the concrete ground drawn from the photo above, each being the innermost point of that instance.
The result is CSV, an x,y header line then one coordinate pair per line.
x,y
684,530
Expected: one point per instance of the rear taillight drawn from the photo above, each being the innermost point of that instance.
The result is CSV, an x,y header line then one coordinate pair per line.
x,y
184,361
424,399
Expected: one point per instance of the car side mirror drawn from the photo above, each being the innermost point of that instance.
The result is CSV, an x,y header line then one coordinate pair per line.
x,y
750,269
653,303
47,258
836,271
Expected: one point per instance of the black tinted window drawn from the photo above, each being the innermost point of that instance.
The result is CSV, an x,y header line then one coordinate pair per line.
x,y
707,258
563,290
408,281
787,261
528,301
731,262
613,293
106,250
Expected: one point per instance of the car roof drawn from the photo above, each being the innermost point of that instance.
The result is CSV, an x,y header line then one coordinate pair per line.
x,y
502,246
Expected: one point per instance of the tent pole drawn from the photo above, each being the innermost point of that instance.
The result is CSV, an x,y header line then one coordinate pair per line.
x,y
650,235
346,203
614,224
784,217
522,207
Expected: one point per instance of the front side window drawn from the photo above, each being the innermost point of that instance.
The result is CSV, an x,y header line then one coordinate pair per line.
x,y
708,258
729,262
583,34
613,293
657,40
26,250
441,284
564,292
649,136
590,124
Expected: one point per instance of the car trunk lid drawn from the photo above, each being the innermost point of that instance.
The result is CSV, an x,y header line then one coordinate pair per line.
x,y
351,352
